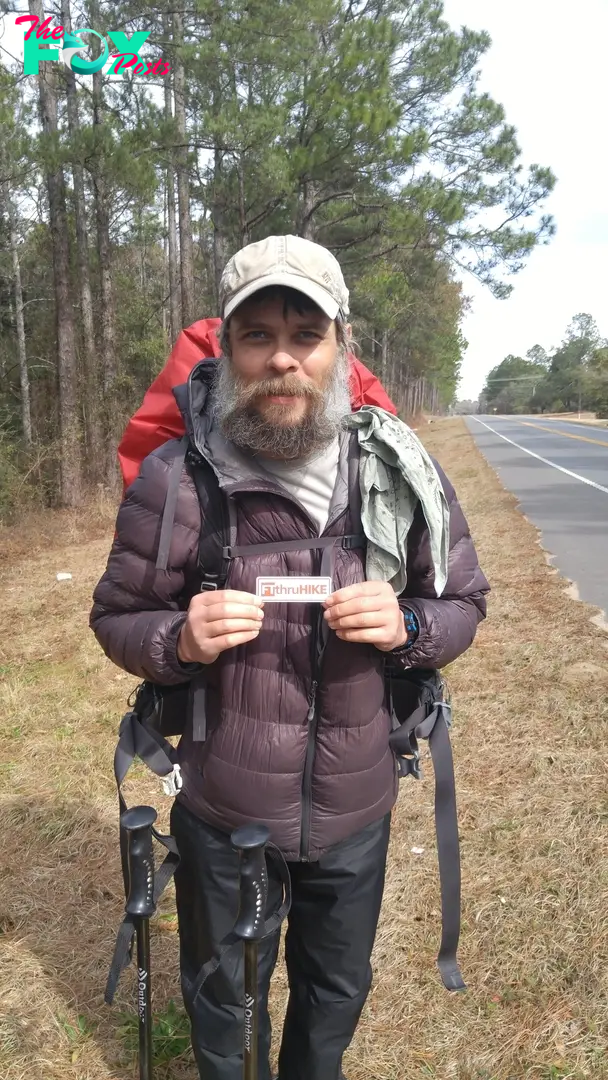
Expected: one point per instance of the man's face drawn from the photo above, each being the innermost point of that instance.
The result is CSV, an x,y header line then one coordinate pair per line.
x,y
284,389
285,355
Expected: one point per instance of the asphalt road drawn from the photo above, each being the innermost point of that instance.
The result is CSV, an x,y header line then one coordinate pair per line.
x,y
558,470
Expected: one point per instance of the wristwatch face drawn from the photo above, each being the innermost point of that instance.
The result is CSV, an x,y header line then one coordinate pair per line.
x,y
413,629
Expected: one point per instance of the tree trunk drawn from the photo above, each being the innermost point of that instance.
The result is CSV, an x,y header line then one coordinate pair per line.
x,y
67,370
243,227
90,395
107,315
220,237
186,251
206,257
24,382
384,359
175,314
305,222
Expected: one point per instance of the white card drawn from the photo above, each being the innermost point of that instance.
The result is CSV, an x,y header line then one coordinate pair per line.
x,y
293,590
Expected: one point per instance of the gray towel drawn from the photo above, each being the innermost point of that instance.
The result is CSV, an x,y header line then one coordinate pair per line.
x,y
395,472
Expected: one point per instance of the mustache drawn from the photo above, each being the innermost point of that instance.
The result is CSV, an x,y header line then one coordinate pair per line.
x,y
236,410
287,386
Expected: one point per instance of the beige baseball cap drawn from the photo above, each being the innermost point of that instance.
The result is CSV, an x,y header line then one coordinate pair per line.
x,y
284,260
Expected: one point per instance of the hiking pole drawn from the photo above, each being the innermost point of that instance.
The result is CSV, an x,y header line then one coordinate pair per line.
x,y
137,823
250,842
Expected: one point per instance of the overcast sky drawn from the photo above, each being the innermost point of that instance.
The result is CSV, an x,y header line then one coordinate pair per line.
x,y
547,66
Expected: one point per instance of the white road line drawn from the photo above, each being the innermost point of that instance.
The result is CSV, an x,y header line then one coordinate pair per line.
x,y
583,479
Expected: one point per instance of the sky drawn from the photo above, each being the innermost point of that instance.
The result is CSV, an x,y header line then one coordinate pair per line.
x,y
547,67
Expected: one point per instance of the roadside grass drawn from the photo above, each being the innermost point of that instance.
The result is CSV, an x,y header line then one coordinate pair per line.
x,y
530,706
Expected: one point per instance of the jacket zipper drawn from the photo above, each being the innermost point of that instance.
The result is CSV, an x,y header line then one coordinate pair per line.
x,y
312,719
312,723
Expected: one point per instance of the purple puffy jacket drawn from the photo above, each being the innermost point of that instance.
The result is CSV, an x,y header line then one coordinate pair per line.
x,y
313,781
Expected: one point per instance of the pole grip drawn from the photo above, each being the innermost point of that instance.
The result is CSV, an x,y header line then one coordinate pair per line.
x,y
137,823
250,842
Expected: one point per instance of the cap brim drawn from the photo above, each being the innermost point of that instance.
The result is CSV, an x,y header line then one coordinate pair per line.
x,y
292,281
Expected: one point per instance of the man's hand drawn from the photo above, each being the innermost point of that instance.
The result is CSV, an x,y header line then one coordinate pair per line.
x,y
218,621
368,612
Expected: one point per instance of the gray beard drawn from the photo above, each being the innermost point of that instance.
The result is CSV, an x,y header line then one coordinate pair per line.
x,y
233,408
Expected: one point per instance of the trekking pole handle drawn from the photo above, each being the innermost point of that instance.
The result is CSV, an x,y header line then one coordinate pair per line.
x,y
250,841
137,823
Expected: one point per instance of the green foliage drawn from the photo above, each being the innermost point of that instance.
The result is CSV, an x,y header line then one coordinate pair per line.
x,y
79,1031
574,377
22,477
512,384
359,124
170,1034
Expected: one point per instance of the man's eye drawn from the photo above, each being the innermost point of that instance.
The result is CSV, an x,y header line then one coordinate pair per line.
x,y
308,334
256,335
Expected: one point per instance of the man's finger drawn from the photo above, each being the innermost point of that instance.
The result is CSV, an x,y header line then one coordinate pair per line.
x,y
363,636
230,596
232,611
351,607
221,627
362,588
230,641
362,619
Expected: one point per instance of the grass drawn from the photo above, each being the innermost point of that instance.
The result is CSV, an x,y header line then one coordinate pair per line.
x,y
170,1034
529,742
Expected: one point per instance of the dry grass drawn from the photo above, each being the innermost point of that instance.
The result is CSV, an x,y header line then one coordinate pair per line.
x,y
530,712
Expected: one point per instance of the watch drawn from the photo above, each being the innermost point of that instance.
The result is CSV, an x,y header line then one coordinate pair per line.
x,y
413,629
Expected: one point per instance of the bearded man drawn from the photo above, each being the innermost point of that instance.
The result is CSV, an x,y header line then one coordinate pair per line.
x,y
297,721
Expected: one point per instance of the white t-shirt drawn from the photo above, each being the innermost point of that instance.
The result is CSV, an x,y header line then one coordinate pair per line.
x,y
312,482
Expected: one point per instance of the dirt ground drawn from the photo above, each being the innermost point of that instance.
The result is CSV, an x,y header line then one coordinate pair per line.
x,y
530,709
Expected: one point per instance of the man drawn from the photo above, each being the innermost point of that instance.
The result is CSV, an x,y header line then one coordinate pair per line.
x,y
298,727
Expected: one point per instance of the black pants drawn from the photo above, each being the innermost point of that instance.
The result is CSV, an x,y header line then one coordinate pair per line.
x,y
330,934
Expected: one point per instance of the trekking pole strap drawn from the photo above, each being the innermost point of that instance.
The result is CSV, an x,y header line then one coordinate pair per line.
x,y
271,926
123,947
135,740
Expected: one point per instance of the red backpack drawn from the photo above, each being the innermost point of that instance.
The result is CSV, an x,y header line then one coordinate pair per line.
x,y
158,418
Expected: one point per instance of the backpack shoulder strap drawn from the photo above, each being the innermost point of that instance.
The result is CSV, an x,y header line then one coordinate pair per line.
x,y
218,523
168,519
218,526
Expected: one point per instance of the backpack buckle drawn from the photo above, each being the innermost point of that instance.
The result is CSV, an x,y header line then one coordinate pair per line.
x,y
410,766
173,782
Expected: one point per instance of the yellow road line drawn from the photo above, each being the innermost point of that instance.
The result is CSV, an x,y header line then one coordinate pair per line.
x,y
566,434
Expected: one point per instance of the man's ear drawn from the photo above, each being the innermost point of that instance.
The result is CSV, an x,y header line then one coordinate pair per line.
x,y
349,331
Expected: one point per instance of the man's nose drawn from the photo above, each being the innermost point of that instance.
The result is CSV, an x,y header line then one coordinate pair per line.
x,y
282,361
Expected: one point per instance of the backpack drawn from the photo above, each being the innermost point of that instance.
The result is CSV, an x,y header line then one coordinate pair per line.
x,y
418,704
